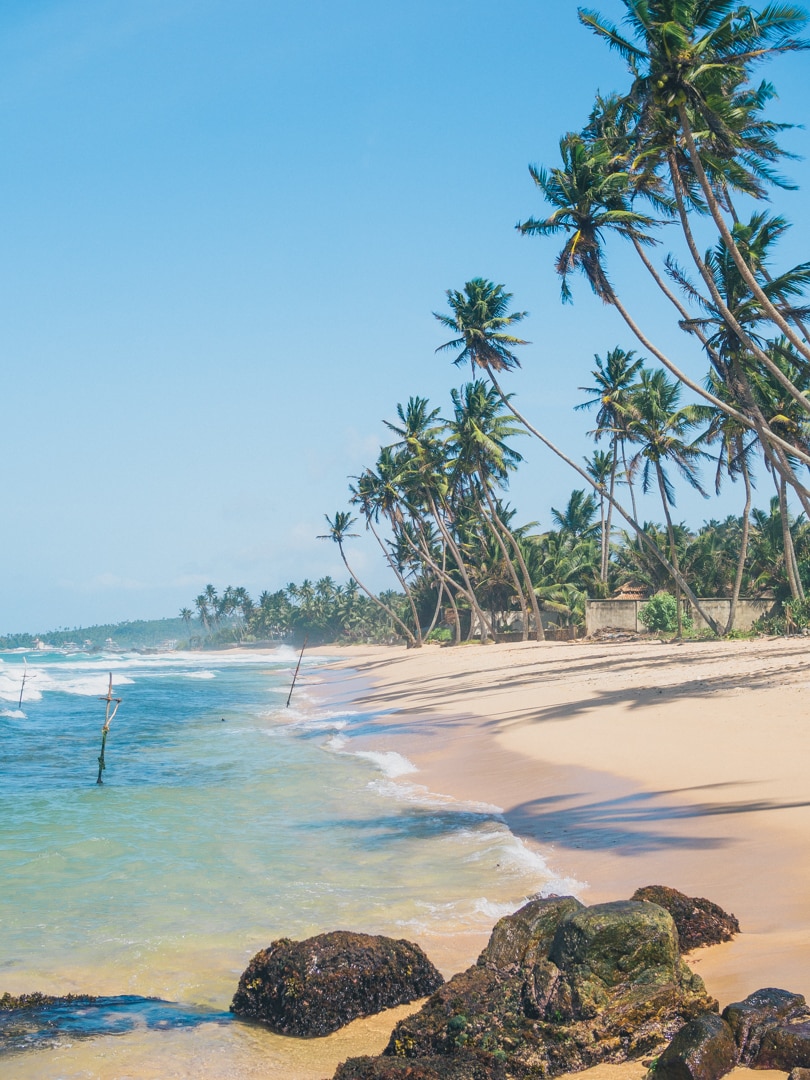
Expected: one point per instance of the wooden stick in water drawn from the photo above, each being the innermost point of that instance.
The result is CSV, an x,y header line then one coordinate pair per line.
x,y
108,719
297,666
24,677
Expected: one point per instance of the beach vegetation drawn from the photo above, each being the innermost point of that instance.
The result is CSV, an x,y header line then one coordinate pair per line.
x,y
660,614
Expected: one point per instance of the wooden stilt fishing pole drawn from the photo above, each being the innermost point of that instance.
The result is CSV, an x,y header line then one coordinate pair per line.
x,y
297,666
108,719
24,677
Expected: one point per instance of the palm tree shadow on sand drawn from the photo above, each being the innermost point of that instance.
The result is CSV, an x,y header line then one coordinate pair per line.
x,y
628,824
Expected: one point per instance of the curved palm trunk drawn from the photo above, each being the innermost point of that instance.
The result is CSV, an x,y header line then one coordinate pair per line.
x,y
673,554
745,271
444,577
384,607
495,525
609,515
644,539
791,564
485,628
540,634
720,303
403,583
735,593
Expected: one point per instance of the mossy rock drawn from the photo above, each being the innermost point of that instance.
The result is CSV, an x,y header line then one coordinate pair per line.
x,y
315,987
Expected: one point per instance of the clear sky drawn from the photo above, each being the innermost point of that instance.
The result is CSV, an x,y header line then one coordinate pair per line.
x,y
225,225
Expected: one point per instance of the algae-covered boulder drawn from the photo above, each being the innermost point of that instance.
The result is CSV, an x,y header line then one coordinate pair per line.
x,y
316,986
699,921
526,936
753,1020
463,1066
559,988
704,1049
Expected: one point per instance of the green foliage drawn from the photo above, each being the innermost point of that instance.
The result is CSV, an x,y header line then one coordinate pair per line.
x,y
660,614
441,633
794,618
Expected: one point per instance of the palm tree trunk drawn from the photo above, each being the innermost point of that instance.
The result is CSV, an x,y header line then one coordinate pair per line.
x,y
441,572
720,303
609,515
391,615
791,564
540,634
495,525
673,554
644,539
401,580
746,273
735,593
485,628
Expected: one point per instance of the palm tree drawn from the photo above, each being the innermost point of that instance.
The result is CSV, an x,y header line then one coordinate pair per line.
x,y
659,427
482,339
338,532
426,481
600,468
614,379
691,64
186,614
589,199
478,434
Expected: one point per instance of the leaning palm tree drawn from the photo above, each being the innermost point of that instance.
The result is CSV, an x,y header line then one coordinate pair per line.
x,y
660,429
614,379
338,532
691,62
480,316
478,434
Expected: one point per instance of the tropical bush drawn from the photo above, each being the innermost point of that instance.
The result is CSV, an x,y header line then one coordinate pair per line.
x,y
660,614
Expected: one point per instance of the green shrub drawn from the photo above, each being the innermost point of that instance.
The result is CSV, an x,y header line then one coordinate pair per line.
x,y
660,614
442,634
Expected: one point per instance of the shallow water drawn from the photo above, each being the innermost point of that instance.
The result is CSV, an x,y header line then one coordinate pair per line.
x,y
225,821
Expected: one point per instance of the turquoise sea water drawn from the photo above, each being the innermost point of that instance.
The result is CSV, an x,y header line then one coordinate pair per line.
x,y
225,821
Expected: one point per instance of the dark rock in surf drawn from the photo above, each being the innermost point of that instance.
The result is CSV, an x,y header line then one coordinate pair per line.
x,y
704,1049
699,921
754,1020
314,987
461,1067
559,988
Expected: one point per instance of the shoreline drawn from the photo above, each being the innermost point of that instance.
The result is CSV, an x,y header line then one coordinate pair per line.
x,y
624,765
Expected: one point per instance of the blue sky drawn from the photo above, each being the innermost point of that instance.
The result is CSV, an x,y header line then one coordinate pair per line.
x,y
225,226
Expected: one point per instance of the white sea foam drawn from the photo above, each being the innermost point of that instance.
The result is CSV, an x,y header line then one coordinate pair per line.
x,y
389,762
199,674
16,714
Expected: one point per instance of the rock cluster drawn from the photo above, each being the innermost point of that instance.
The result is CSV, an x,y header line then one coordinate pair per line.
x,y
769,1030
559,987
699,921
316,986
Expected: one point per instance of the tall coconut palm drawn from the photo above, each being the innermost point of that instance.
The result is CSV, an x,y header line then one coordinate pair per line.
x,y
614,378
476,347
478,434
339,532
599,466
691,62
427,479
659,427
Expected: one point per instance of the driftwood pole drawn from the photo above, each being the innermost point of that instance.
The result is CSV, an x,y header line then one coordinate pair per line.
x,y
297,666
108,719
24,677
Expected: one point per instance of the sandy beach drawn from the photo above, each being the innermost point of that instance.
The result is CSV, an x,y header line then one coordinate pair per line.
x,y
626,765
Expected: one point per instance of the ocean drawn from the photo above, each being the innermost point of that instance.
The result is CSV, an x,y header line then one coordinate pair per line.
x,y
225,820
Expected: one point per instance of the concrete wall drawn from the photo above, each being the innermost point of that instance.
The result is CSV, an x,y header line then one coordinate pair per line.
x,y
623,614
